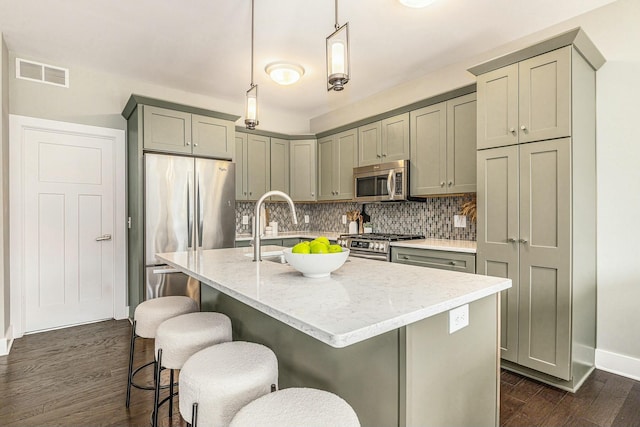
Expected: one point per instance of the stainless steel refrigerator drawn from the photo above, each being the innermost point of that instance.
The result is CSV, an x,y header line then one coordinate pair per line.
x,y
189,205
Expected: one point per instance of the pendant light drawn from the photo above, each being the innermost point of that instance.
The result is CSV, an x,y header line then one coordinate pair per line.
x,y
338,56
251,113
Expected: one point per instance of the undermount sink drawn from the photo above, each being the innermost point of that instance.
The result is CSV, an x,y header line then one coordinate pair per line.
x,y
273,256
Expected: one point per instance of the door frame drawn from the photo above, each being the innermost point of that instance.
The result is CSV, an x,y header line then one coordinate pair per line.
x,y
17,126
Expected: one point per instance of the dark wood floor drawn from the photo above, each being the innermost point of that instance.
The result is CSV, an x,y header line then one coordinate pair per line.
x,y
77,377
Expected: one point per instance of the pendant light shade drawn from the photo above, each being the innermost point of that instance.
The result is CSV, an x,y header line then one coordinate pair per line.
x,y
338,56
251,112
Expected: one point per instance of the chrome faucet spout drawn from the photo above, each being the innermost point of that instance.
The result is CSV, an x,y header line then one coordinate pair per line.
x,y
257,252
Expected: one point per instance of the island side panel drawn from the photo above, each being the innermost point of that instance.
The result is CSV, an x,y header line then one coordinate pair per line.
x,y
452,379
365,374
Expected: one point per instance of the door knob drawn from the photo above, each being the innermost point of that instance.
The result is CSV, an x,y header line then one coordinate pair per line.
x,y
523,127
442,184
195,144
513,131
188,143
450,183
103,237
511,240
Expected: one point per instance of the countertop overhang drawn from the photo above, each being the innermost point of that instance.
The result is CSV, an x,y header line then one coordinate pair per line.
x,y
362,299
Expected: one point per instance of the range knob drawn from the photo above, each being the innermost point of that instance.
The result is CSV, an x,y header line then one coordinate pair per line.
x,y
371,245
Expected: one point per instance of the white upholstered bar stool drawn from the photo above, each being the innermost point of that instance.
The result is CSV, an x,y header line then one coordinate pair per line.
x,y
294,407
217,381
179,338
146,319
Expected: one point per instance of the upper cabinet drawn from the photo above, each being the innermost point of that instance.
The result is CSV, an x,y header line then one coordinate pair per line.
x,y
384,141
280,165
527,101
337,156
253,166
443,147
302,170
182,132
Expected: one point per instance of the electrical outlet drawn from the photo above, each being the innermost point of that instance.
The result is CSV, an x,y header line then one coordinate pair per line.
x,y
459,221
344,219
245,219
306,219
458,318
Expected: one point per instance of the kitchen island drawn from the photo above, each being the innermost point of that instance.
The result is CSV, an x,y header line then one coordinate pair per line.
x,y
375,333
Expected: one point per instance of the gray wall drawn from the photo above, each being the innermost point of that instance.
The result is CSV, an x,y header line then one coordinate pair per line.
x,y
4,188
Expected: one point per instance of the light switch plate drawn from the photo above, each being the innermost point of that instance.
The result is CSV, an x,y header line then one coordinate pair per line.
x,y
459,221
245,219
344,219
458,318
306,219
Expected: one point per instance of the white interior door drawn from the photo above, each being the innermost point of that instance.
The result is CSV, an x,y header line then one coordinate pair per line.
x,y
68,228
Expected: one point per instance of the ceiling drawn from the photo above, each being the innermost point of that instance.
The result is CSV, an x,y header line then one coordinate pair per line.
x,y
203,46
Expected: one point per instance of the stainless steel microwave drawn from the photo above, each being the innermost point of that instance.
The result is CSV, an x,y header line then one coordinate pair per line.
x,y
385,182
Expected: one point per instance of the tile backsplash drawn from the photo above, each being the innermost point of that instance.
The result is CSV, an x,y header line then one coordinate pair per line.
x,y
433,217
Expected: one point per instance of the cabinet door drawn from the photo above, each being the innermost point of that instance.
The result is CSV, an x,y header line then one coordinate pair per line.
x,y
395,138
303,170
428,150
167,130
279,165
346,148
369,140
497,253
241,170
258,165
545,232
498,107
461,144
545,96
326,161
212,137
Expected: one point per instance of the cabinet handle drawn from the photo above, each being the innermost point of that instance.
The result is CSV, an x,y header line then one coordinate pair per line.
x,y
313,194
511,240
442,184
188,143
513,131
450,183
523,127
452,262
250,193
404,257
195,144
384,155
523,241
245,193
378,155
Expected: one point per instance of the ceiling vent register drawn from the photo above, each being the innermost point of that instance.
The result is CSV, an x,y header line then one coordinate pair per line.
x,y
43,73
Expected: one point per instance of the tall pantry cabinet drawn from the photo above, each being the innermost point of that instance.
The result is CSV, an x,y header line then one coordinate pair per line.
x,y
536,198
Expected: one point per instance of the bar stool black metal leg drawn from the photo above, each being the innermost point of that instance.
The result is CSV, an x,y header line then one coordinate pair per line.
x,y
156,400
131,348
171,395
194,415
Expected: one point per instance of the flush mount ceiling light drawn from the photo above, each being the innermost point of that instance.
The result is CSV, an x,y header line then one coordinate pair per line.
x,y
416,3
251,114
338,56
284,73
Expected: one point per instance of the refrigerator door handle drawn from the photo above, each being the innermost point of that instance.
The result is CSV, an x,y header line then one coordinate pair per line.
x,y
199,212
189,215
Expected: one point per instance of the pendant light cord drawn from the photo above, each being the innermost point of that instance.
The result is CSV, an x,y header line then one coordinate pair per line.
x,y
337,26
252,19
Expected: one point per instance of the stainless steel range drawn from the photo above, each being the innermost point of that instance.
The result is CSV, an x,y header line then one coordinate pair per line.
x,y
373,245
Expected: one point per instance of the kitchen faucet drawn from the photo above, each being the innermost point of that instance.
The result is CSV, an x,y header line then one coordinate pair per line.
x,y
257,252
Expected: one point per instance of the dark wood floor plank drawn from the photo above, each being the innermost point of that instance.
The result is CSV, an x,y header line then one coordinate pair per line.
x,y
606,406
629,414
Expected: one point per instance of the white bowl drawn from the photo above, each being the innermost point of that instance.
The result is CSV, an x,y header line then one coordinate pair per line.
x,y
316,265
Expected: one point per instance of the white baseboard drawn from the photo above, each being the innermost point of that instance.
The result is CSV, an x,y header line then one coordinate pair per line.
x,y
618,364
121,313
6,341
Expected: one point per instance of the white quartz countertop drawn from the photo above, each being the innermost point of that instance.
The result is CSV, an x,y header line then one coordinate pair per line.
x,y
467,246
293,234
362,299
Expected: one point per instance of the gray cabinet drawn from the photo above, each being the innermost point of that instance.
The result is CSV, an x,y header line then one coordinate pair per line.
x,y
186,133
443,260
280,165
384,141
253,166
337,156
302,170
526,101
536,211
443,147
